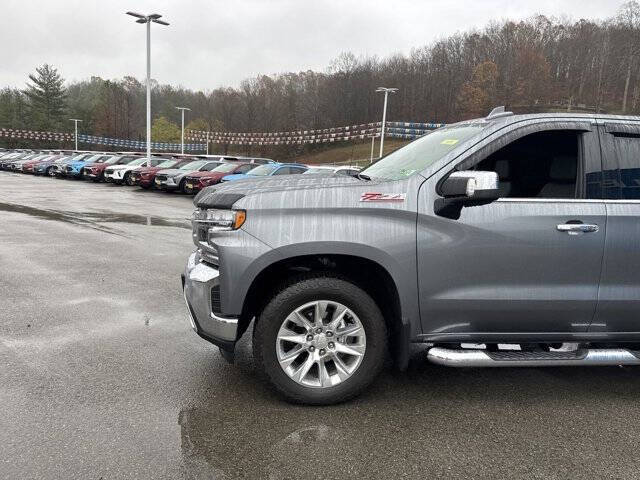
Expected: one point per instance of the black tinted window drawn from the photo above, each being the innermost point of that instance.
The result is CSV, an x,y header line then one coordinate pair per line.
x,y
621,158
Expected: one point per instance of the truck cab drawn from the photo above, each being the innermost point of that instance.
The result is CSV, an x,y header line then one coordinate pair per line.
x,y
509,240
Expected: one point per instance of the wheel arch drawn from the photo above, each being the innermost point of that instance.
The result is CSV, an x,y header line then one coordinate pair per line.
x,y
370,272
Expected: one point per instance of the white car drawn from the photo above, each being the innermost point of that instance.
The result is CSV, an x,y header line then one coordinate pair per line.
x,y
121,173
327,169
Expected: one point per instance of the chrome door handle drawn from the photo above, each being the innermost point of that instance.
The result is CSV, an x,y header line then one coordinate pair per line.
x,y
577,228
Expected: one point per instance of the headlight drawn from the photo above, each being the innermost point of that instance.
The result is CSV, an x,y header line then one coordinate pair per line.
x,y
220,220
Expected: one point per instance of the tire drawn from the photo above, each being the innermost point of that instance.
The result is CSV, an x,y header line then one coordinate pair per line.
x,y
127,179
182,188
48,171
300,293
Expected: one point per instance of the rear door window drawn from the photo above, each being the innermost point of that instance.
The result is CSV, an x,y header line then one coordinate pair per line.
x,y
621,161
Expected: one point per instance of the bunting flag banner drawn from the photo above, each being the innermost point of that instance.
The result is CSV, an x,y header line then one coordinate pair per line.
x,y
35,135
401,130
139,144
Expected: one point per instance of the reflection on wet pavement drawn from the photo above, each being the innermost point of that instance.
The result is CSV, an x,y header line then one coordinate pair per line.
x,y
428,422
94,220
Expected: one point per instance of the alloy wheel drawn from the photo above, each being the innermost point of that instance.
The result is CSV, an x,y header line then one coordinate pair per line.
x,y
321,344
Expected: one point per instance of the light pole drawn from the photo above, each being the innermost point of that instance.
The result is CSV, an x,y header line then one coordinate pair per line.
x,y
154,17
373,139
384,112
76,120
182,109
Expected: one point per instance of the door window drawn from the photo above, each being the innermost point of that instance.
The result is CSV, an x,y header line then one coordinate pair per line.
x,y
621,157
539,165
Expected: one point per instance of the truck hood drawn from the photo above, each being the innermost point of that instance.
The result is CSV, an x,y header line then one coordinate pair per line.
x,y
226,194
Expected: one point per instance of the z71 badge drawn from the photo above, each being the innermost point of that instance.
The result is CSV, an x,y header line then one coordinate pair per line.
x,y
383,197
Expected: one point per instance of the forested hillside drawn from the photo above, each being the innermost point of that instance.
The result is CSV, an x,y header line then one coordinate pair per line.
x,y
534,65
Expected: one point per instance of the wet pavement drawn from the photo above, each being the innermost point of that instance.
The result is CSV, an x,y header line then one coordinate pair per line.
x,y
101,376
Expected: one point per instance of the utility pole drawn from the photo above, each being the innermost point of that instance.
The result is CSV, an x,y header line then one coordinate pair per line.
x,y
154,17
76,120
384,112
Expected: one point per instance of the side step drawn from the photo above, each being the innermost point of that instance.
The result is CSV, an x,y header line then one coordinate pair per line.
x,y
582,357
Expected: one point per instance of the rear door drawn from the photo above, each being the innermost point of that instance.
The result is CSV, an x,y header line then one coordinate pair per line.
x,y
619,297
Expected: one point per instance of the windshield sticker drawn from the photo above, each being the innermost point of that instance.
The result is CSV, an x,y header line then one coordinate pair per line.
x,y
449,141
383,197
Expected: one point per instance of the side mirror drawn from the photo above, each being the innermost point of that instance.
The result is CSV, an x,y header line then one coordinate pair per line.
x,y
470,184
466,188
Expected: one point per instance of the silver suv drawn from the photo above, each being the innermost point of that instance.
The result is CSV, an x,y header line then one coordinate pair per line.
x,y
511,240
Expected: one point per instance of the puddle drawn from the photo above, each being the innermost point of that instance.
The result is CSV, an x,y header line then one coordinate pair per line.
x,y
95,220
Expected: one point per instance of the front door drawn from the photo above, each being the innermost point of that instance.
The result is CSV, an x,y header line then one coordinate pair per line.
x,y
528,263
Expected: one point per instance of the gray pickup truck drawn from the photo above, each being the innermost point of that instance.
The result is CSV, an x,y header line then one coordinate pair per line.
x,y
510,240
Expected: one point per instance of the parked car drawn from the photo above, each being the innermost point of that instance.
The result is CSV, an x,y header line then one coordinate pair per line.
x,y
75,168
41,167
95,171
196,181
58,169
30,165
268,170
329,170
174,178
145,176
120,174
509,240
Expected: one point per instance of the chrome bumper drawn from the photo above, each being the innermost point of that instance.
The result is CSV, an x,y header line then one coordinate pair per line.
x,y
197,282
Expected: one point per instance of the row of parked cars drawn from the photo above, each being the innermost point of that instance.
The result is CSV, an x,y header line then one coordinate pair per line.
x,y
183,173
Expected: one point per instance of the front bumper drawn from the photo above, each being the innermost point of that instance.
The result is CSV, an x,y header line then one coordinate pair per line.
x,y
198,281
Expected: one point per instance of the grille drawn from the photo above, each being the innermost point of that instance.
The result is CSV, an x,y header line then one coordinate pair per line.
x,y
215,299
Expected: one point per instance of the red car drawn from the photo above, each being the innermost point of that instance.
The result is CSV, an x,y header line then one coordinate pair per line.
x,y
95,170
196,181
29,167
144,176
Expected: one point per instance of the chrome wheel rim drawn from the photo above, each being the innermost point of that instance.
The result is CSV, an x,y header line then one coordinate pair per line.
x,y
321,344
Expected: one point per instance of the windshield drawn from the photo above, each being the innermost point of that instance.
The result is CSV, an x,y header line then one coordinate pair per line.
x,y
225,168
210,166
262,170
193,165
138,161
422,152
91,159
106,160
166,163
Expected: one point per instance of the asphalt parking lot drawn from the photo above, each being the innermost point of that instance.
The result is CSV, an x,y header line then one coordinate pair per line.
x,y
103,378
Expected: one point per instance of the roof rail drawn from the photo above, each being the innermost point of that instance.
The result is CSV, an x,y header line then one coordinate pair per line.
x,y
498,112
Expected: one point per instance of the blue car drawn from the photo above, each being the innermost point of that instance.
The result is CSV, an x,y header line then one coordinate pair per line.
x,y
268,170
74,169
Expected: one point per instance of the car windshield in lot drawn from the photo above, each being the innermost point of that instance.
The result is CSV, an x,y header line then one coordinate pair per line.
x,y
225,168
137,161
262,170
108,159
166,163
209,166
195,165
422,152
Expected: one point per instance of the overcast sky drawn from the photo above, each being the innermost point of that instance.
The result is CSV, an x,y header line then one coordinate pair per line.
x,y
219,43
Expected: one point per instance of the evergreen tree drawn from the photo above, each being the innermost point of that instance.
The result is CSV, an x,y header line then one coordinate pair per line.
x,y
47,98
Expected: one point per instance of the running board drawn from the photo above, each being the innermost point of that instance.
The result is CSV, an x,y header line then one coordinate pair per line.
x,y
581,357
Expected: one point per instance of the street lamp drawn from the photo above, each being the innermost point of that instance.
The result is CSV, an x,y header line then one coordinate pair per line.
x,y
154,17
76,120
384,112
182,109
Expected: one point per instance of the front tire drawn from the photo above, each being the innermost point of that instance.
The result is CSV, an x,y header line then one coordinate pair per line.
x,y
127,179
320,340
